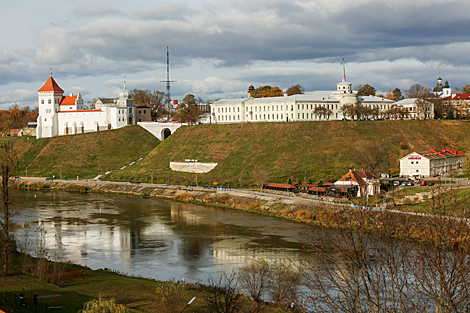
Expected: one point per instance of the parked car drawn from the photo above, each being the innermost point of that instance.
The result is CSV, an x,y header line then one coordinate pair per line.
x,y
431,183
423,183
403,183
396,183
48,178
410,183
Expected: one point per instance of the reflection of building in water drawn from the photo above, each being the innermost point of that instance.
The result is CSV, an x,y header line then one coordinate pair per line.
x,y
235,252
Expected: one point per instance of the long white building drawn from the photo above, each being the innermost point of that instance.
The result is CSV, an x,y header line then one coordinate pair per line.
x,y
302,107
66,115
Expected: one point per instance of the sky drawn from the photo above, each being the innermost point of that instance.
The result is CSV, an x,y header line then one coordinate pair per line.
x,y
218,48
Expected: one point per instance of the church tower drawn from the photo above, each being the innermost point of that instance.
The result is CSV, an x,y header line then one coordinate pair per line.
x,y
49,98
344,92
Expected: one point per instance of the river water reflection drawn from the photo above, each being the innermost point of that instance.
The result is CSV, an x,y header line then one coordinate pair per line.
x,y
157,239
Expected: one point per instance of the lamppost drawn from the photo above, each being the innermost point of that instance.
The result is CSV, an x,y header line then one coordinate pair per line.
x,y
262,181
152,177
241,179
26,172
60,172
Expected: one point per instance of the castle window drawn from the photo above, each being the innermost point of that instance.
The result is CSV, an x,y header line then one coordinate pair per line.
x,y
49,101
139,112
42,101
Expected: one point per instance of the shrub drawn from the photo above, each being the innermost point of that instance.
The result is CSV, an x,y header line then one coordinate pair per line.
x,y
169,296
103,305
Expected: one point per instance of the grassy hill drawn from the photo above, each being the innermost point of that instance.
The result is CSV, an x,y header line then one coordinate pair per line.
x,y
277,151
83,155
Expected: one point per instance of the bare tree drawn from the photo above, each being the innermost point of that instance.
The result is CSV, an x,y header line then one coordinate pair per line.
x,y
8,164
223,297
416,91
322,111
375,261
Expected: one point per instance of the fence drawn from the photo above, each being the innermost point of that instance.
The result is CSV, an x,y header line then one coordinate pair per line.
x,y
12,302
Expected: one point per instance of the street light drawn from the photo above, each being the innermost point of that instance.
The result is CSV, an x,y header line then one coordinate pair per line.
x,y
262,181
26,172
241,179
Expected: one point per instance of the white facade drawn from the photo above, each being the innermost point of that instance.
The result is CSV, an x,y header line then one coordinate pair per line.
x,y
302,107
415,108
431,163
65,115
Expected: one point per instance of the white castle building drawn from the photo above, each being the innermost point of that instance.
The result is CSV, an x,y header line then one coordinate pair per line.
x,y
301,107
66,115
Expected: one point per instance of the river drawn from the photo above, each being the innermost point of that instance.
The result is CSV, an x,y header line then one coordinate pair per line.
x,y
154,238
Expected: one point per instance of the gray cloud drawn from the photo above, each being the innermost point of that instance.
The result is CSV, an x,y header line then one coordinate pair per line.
x,y
98,9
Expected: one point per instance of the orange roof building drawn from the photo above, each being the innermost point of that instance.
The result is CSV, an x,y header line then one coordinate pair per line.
x,y
431,162
367,183
67,115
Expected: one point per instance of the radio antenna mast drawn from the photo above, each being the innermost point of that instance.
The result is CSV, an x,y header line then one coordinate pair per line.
x,y
168,81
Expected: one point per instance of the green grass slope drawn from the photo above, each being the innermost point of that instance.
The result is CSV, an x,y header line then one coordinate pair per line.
x,y
280,150
82,155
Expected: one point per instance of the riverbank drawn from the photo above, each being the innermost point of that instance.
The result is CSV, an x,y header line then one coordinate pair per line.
x,y
292,208
315,213
80,284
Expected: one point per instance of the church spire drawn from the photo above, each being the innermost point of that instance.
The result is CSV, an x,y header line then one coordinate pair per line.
x,y
344,72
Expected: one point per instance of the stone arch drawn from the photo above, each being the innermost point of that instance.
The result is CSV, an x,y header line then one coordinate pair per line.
x,y
66,128
166,132
74,128
130,121
97,126
81,128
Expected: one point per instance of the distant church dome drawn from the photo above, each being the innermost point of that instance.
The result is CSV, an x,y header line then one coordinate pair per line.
x,y
124,94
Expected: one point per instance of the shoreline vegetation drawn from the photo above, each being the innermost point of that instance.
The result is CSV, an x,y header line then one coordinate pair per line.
x,y
88,284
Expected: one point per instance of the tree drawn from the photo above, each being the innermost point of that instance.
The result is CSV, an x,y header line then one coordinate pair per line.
x,y
153,99
8,164
266,92
366,90
349,111
295,90
224,296
322,111
189,110
416,91
421,106
374,157
397,96
380,264
466,88
389,95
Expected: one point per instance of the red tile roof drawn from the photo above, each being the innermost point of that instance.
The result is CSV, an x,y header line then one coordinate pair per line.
x,y
463,96
274,185
68,100
453,151
80,111
358,176
50,85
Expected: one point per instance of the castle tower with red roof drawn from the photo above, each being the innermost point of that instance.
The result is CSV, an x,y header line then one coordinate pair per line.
x,y
67,115
49,97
